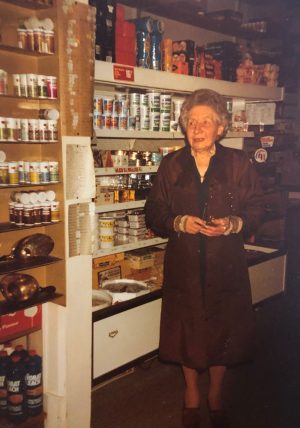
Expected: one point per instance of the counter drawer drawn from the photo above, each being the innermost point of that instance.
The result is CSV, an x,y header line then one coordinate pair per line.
x,y
125,336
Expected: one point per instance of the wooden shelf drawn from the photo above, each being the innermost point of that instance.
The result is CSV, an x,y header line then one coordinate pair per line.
x,y
29,4
42,297
13,186
28,142
181,84
9,227
27,98
16,50
14,264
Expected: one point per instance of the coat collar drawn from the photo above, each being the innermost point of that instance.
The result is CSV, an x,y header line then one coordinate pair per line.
x,y
189,173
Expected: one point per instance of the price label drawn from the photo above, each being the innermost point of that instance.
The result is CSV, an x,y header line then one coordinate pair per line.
x,y
123,72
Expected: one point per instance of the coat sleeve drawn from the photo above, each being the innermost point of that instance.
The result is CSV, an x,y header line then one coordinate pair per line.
x,y
159,216
250,196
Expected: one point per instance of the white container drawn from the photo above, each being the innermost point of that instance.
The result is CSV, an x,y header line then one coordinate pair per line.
x,y
52,130
134,99
43,130
23,85
53,168
16,85
106,241
24,129
154,121
128,285
144,100
106,226
164,122
107,105
32,85
33,130
165,103
34,172
154,100
44,172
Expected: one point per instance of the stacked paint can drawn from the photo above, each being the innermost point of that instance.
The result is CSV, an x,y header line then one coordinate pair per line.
x,y
106,231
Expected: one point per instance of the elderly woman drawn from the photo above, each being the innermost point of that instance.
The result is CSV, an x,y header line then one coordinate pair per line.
x,y
205,198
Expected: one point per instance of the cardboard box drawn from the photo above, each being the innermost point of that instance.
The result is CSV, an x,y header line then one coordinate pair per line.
x,y
107,261
18,322
109,272
140,259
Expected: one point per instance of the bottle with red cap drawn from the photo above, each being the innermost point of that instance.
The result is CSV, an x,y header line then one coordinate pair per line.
x,y
16,398
34,383
19,350
3,391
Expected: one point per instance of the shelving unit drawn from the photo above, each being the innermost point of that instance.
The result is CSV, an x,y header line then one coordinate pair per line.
x,y
128,247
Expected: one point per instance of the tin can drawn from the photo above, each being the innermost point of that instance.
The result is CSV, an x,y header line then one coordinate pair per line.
x,y
11,212
17,85
164,123
145,123
33,130
154,101
107,105
106,121
34,172
32,90
2,128
54,211
42,86
135,110
52,130
53,168
21,171
37,214
4,178
22,38
154,121
123,123
11,129
30,40
131,123
98,104
115,121
24,130
165,103
13,174
44,172
98,120
23,85
28,215
3,82
18,213
46,212
134,99
123,107
38,39
43,130
49,42
51,86
144,100
27,171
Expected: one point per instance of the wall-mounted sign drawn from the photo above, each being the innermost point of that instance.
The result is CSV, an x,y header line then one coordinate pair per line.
x,y
261,155
123,72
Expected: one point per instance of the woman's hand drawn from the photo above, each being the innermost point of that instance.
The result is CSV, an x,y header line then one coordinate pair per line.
x,y
214,227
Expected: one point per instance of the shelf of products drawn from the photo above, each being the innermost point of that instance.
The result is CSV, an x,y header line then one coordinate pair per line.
x,y
126,170
14,264
41,297
191,13
9,227
115,133
19,51
172,82
128,247
118,206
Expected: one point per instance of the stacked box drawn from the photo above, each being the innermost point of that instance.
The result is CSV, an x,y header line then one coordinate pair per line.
x,y
183,57
125,39
105,29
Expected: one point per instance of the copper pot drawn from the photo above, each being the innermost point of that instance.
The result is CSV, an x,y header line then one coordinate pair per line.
x,y
20,287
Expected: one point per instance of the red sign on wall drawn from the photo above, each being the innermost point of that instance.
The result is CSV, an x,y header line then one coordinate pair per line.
x,y
123,72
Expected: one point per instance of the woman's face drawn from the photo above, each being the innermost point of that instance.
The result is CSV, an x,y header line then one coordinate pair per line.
x,y
203,128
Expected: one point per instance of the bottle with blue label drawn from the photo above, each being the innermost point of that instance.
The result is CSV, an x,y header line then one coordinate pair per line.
x,y
3,391
34,383
16,398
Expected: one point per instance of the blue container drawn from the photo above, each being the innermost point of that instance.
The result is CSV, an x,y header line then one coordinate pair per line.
x,y
16,399
19,350
143,41
4,360
34,383
156,51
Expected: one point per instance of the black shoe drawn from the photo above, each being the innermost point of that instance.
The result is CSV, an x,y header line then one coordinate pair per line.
x,y
218,419
191,417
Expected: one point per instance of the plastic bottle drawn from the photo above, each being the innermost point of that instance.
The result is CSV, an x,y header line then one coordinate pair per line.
x,y
19,350
34,383
4,360
16,399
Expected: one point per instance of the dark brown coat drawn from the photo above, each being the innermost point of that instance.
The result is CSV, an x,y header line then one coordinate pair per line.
x,y
212,323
